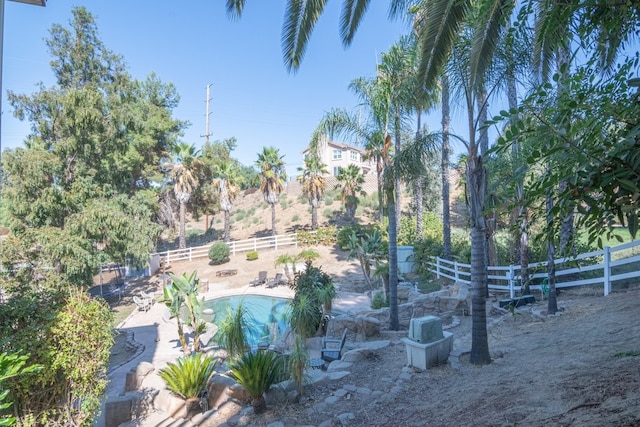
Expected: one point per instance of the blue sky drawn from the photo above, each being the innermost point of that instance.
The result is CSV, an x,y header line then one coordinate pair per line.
x,y
192,44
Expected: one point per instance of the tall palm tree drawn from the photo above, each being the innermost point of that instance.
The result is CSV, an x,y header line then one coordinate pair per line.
x,y
183,171
350,180
439,26
226,180
313,184
272,179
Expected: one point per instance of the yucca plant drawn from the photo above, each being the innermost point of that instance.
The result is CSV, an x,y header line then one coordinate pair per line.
x,y
189,375
256,372
297,362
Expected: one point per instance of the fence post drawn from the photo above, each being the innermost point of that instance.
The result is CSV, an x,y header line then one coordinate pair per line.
x,y
276,238
455,270
607,270
190,254
255,243
512,282
438,267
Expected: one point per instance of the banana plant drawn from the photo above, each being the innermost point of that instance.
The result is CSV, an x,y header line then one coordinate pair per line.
x,y
183,291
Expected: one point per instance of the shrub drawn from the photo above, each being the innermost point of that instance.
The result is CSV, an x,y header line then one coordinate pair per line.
x,y
189,375
325,236
252,255
256,372
219,253
378,301
328,212
344,234
295,218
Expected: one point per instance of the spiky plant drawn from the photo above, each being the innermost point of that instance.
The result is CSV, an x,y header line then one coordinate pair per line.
x,y
189,375
234,330
256,372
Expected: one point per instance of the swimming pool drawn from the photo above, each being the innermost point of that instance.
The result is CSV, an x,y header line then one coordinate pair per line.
x,y
268,315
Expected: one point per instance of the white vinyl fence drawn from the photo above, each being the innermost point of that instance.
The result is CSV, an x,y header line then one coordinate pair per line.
x,y
237,246
612,264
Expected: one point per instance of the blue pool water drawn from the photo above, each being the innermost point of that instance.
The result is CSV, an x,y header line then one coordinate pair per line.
x,y
268,315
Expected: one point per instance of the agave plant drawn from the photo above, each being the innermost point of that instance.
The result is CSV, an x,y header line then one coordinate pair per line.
x,y
189,375
257,372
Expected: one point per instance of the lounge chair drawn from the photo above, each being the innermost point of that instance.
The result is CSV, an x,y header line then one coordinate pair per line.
x,y
260,280
274,282
332,347
144,304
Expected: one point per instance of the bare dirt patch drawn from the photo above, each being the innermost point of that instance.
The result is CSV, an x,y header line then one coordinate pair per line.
x,y
579,368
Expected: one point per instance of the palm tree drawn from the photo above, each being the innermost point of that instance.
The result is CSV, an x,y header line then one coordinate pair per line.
x,y
226,180
350,182
438,26
272,179
183,171
313,184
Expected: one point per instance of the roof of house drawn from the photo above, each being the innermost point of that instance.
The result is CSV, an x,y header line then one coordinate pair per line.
x,y
341,146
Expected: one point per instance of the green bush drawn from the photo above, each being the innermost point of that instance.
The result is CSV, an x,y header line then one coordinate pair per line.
x,y
378,301
219,253
189,375
295,218
325,236
70,336
328,213
252,255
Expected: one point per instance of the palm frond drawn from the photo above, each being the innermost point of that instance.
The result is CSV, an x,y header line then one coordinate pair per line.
x,y
352,13
486,32
441,24
235,8
300,19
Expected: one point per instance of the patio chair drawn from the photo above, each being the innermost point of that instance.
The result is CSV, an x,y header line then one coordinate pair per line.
x,y
148,296
260,280
274,282
143,304
332,347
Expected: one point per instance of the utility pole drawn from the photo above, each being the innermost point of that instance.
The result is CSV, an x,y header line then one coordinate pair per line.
x,y
207,133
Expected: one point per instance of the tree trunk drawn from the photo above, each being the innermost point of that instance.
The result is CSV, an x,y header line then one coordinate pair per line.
x,y
227,226
476,185
259,404
314,216
419,201
446,208
552,304
273,219
379,171
396,178
182,239
394,323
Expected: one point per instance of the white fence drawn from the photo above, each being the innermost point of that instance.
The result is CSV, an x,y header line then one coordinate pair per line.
x,y
237,246
603,267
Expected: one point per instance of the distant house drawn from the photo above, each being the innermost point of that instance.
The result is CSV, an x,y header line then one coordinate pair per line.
x,y
336,155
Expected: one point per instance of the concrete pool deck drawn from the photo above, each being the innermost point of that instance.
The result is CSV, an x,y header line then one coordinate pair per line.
x,y
158,342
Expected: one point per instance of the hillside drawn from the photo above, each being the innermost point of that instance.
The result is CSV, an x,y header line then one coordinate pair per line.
x,y
251,215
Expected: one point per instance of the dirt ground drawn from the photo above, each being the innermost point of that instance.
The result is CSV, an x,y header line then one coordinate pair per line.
x,y
578,368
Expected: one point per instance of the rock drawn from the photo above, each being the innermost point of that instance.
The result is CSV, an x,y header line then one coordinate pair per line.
x,y
170,403
339,365
117,411
368,326
218,390
356,355
144,368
